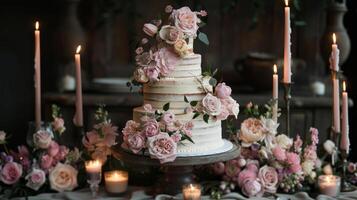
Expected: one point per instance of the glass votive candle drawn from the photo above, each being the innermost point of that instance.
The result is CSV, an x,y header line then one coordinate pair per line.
x,y
329,185
191,192
94,175
116,181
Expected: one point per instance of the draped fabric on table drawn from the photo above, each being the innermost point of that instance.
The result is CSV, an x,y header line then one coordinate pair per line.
x,y
138,194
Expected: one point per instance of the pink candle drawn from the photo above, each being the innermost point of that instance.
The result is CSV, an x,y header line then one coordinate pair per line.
x,y
275,94
345,141
37,77
336,105
287,51
335,54
78,118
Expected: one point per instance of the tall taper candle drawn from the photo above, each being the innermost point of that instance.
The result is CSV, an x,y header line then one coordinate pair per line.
x,y
287,50
335,55
345,141
78,118
37,77
275,93
336,105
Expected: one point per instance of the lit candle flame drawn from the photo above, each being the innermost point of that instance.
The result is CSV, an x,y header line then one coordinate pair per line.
x,y
78,49
37,25
334,38
286,3
344,86
275,69
94,163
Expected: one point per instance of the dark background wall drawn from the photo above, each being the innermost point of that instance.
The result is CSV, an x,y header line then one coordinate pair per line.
x,y
110,29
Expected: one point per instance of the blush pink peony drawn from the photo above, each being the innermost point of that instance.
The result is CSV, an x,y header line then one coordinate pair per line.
x,y
10,173
252,131
185,20
212,105
223,91
151,128
165,60
136,142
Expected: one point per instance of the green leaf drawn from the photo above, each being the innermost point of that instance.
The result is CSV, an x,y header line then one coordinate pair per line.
x,y
203,38
188,138
166,107
212,81
196,115
215,72
205,118
185,99
193,103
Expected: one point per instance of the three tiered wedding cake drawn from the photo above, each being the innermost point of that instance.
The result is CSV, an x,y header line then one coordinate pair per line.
x,y
183,107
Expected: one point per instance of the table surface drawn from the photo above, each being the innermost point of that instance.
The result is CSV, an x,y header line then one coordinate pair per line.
x,y
136,193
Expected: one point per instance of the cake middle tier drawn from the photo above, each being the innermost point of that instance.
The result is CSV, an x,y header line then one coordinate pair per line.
x,y
173,91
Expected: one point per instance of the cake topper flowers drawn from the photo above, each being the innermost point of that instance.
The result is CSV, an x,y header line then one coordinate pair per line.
x,y
165,42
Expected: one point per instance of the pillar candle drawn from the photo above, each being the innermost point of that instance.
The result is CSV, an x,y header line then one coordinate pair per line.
x,y
287,50
37,77
78,119
345,141
336,105
335,54
275,94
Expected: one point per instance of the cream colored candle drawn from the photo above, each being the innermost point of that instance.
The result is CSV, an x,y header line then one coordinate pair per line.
x,y
336,105
275,93
116,181
335,55
37,77
345,141
93,166
329,185
79,102
287,50
191,192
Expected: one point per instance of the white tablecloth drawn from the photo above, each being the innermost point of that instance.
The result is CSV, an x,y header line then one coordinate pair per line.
x,y
138,194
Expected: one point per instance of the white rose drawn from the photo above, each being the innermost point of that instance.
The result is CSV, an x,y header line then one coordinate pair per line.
x,y
284,141
140,76
307,167
329,147
42,139
63,178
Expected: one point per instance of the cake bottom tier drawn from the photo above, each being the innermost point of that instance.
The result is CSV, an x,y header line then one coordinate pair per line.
x,y
207,137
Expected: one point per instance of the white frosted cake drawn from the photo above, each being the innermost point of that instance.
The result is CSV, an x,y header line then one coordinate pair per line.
x,y
185,80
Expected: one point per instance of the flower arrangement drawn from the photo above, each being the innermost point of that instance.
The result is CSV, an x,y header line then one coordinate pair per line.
x,y
45,163
101,138
156,57
268,161
158,132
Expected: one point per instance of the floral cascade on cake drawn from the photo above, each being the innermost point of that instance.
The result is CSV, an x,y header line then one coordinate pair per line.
x,y
269,162
170,72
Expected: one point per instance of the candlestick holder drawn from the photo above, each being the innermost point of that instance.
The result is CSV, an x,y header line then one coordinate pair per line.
x,y
345,185
287,99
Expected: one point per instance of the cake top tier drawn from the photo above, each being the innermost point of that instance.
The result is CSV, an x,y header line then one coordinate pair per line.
x,y
167,43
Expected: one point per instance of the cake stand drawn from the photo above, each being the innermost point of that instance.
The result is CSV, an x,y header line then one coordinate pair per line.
x,y
177,173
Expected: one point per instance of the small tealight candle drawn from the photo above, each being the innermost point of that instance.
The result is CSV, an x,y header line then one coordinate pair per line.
x,y
329,185
191,192
93,166
116,181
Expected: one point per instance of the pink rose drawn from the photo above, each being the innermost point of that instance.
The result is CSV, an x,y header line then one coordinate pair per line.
x,y
185,20
131,127
35,179
165,60
244,175
136,142
151,128
170,34
269,178
223,91
168,117
152,72
212,105
218,168
279,153
150,29
10,173
162,147
253,165
252,188
58,125
53,149
46,162
42,139
62,153
176,137
231,105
